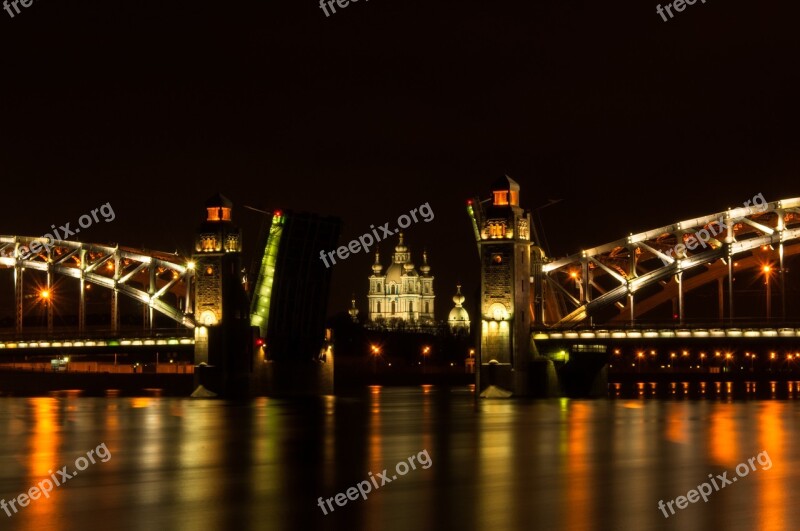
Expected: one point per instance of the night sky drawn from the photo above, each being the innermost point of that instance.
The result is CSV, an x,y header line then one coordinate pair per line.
x,y
387,104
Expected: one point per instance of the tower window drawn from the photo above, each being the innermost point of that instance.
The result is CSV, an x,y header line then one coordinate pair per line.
x,y
501,197
208,243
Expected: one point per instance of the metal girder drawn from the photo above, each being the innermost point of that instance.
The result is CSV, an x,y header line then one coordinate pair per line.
x,y
628,265
85,262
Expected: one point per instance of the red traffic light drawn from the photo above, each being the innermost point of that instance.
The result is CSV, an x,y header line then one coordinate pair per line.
x,y
259,342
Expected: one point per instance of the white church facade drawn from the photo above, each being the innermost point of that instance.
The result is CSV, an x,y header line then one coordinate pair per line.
x,y
403,292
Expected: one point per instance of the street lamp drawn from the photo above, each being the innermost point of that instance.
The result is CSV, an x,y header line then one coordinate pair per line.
x,y
46,296
425,350
376,351
767,270
640,355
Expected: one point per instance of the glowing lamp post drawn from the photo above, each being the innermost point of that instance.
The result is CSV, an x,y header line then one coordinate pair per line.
x,y
767,270
376,351
46,297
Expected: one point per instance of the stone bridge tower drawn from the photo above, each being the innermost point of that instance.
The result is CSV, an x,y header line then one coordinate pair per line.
x,y
503,231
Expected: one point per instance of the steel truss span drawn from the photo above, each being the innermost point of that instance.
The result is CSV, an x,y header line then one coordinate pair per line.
x,y
146,276
571,291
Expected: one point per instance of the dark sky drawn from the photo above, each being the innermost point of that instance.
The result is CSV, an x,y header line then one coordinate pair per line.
x,y
388,104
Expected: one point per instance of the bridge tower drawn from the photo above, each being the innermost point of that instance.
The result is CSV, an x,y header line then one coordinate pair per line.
x,y
221,309
502,229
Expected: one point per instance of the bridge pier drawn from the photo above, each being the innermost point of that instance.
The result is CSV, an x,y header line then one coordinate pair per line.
x,y
571,370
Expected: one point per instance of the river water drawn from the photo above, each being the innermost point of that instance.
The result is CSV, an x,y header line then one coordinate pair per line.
x,y
492,465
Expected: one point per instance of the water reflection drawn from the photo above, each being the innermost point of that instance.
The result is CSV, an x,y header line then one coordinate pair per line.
x,y
716,390
497,464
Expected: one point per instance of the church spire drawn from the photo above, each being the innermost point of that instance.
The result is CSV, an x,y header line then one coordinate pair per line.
x,y
377,267
425,268
353,311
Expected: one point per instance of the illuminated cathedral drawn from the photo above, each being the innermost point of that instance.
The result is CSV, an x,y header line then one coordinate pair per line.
x,y
402,293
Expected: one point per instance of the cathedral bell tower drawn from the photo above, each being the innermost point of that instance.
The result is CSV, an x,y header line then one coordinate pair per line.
x,y
502,231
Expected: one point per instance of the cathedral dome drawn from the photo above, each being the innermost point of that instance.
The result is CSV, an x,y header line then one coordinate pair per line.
x,y
377,267
425,268
458,318
394,272
458,298
401,247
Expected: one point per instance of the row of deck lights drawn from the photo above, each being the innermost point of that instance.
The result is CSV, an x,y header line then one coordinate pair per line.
x,y
121,342
727,356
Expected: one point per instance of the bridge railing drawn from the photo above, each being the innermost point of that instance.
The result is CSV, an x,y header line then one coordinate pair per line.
x,y
103,333
725,324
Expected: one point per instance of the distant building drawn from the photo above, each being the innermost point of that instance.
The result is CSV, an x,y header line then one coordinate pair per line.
x,y
402,293
459,318
353,311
